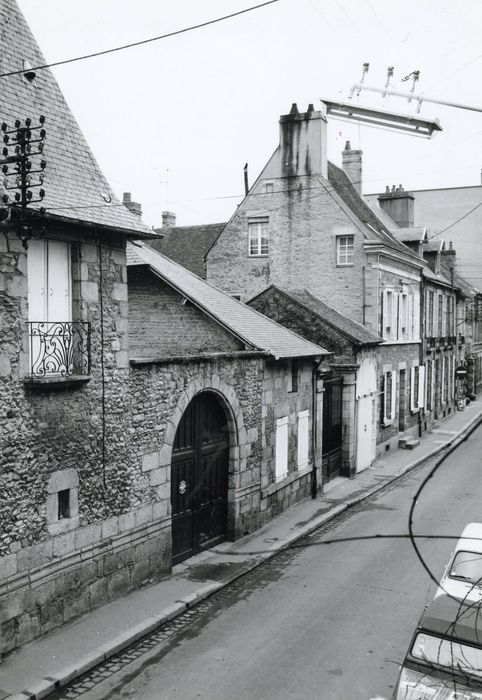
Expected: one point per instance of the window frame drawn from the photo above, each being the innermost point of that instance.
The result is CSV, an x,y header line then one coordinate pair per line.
x,y
256,224
389,391
346,252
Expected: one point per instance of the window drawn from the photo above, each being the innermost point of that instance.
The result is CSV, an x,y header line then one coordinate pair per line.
x,y
429,385
417,388
292,378
303,438
403,333
64,504
258,235
389,396
281,448
63,501
388,315
440,316
450,316
344,250
429,315
268,187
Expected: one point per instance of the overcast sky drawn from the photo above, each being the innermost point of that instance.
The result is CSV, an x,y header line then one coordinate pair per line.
x,y
174,121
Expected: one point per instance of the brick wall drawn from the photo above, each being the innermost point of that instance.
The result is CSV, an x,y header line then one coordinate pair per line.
x,y
161,325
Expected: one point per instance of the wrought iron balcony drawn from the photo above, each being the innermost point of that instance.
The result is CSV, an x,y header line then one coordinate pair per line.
x,y
59,349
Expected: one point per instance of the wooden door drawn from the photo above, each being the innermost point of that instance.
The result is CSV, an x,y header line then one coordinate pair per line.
x,y
199,478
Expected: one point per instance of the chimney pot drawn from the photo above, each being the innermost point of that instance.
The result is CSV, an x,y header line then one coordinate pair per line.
x,y
347,146
134,207
126,198
310,108
294,108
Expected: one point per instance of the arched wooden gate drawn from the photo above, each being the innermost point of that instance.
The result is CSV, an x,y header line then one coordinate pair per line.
x,y
199,477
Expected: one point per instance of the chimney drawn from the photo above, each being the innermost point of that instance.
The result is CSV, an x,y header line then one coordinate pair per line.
x,y
133,207
303,143
352,166
449,257
399,205
168,219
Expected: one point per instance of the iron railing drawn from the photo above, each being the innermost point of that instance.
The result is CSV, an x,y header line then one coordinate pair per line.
x,y
59,348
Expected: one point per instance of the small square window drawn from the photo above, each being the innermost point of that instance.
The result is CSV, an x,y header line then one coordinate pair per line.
x,y
344,250
268,187
64,504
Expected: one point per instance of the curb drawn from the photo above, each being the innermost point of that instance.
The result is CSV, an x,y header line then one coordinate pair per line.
x,y
48,685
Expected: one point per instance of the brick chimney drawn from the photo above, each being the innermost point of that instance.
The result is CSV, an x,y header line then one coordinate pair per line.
x,y
352,166
449,257
398,204
133,207
168,219
303,143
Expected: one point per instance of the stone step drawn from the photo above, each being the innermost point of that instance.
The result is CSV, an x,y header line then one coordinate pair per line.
x,y
408,443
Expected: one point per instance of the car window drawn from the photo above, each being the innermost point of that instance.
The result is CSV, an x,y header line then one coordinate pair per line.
x,y
467,566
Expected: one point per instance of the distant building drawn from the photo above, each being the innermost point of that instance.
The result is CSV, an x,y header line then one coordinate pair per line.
x,y
303,226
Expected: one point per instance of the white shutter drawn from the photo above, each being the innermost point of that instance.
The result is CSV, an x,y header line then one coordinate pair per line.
x,y
412,389
399,298
421,386
393,323
59,293
303,439
281,449
385,321
37,280
394,394
416,316
442,392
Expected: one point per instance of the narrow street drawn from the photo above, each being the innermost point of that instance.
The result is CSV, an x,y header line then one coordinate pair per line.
x,y
326,622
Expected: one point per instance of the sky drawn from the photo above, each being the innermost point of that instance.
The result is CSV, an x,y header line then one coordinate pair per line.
x,y
174,121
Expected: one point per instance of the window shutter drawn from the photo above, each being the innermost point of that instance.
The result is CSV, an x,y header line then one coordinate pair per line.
x,y
412,389
421,386
410,330
281,449
385,321
303,439
399,298
394,394
393,322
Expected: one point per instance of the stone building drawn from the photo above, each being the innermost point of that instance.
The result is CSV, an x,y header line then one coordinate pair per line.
x,y
349,375
79,521
89,438
304,225
227,404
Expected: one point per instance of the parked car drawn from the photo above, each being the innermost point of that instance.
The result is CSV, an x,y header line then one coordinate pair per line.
x,y
444,659
463,575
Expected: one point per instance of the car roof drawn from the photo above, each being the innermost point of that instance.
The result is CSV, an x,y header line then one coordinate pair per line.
x,y
470,539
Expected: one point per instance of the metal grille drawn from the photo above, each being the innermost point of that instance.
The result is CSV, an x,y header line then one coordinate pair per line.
x,y
59,348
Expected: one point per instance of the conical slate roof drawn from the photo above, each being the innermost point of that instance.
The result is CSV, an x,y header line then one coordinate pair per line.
x,y
74,184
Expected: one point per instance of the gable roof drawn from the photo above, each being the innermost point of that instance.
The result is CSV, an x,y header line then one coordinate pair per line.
x,y
352,330
343,186
410,234
75,187
248,325
188,245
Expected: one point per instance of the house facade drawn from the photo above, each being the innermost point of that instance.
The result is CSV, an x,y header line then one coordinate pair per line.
x,y
231,404
349,375
304,226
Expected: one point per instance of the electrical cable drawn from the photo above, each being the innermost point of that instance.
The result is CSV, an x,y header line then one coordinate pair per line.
x,y
142,42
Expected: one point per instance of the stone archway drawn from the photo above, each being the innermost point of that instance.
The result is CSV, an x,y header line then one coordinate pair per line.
x,y
237,435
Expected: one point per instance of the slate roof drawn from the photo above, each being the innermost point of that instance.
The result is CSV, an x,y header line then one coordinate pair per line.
x,y
344,188
415,233
251,327
352,330
188,245
74,184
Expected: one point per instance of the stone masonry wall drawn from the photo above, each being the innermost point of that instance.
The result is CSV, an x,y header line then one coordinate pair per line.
x,y
304,221
116,539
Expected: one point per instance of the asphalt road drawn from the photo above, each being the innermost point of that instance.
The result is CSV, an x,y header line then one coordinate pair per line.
x,y
330,622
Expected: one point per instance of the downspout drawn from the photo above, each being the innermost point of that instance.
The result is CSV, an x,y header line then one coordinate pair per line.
x,y
314,428
421,326
364,294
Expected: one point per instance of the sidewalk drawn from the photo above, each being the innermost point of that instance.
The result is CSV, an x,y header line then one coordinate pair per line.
x,y
40,667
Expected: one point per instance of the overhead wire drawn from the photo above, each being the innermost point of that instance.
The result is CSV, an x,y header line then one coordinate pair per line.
x,y
142,42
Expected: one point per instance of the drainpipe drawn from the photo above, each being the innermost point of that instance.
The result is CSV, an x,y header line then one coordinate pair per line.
x,y
364,294
421,362
314,428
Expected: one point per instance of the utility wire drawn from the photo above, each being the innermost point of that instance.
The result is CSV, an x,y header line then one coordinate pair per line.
x,y
143,41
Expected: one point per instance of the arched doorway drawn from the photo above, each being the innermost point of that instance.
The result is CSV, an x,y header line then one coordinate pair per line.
x,y
199,477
